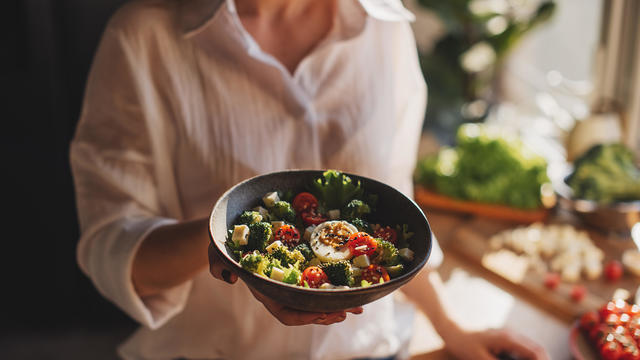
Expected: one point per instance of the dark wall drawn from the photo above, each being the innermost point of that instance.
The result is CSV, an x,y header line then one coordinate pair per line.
x,y
51,44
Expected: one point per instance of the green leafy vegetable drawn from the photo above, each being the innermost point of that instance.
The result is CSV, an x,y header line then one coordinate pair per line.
x,y
335,189
486,166
606,173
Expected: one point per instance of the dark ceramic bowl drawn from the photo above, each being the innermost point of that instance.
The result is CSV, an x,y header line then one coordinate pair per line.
x,y
393,208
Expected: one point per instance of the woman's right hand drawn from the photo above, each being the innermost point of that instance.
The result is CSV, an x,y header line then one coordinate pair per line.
x,y
292,317
284,314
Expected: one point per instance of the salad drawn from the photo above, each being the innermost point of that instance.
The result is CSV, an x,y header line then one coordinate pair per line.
x,y
320,238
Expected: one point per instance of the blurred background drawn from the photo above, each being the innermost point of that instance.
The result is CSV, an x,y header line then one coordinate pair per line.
x,y
520,92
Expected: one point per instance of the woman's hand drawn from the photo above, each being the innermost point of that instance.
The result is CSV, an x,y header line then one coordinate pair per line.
x,y
293,317
487,345
218,269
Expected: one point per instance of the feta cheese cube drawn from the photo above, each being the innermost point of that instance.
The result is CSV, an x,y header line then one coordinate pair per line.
x,y
277,274
334,214
262,211
274,245
277,225
271,199
406,254
362,261
240,235
307,233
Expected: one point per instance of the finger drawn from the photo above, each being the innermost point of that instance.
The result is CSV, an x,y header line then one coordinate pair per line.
x,y
287,315
355,310
218,269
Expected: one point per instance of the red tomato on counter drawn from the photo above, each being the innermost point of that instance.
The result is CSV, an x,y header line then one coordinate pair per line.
x,y
552,280
578,292
589,320
613,270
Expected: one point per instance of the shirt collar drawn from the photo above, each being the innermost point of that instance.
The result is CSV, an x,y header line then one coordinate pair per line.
x,y
194,15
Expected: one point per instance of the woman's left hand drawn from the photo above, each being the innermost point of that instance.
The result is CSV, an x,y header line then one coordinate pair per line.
x,y
487,345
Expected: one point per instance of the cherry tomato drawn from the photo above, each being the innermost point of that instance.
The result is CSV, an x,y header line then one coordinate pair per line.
x,y
374,273
311,217
314,277
578,292
361,243
613,270
552,280
589,320
288,235
610,351
386,233
304,201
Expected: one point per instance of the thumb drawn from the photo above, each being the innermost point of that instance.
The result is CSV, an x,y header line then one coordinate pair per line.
x,y
218,269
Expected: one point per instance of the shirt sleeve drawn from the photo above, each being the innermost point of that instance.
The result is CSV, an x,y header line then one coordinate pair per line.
x,y
115,179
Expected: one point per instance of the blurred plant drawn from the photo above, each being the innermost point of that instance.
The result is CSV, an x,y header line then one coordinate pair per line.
x,y
463,66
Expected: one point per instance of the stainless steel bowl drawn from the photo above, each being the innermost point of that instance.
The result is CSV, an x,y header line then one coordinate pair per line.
x,y
618,217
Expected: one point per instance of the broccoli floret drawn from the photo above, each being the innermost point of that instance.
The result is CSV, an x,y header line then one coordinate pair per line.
x,y
355,209
362,225
386,253
292,275
339,273
254,262
305,250
282,210
288,257
249,217
403,235
259,235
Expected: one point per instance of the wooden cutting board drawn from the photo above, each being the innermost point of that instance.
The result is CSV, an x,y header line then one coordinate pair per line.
x,y
469,240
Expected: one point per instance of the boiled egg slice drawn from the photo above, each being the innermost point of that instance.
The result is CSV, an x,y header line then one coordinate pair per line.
x,y
329,240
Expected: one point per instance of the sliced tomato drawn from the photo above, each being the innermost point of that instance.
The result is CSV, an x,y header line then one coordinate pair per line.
x,y
361,243
374,273
314,277
311,217
386,233
304,201
288,235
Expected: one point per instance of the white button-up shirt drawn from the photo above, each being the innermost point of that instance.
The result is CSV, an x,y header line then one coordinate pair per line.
x,y
181,104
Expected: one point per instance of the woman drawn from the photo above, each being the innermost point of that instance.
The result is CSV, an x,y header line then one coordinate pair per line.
x,y
187,98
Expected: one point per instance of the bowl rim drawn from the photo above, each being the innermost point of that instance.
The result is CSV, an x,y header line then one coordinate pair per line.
x,y
354,290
